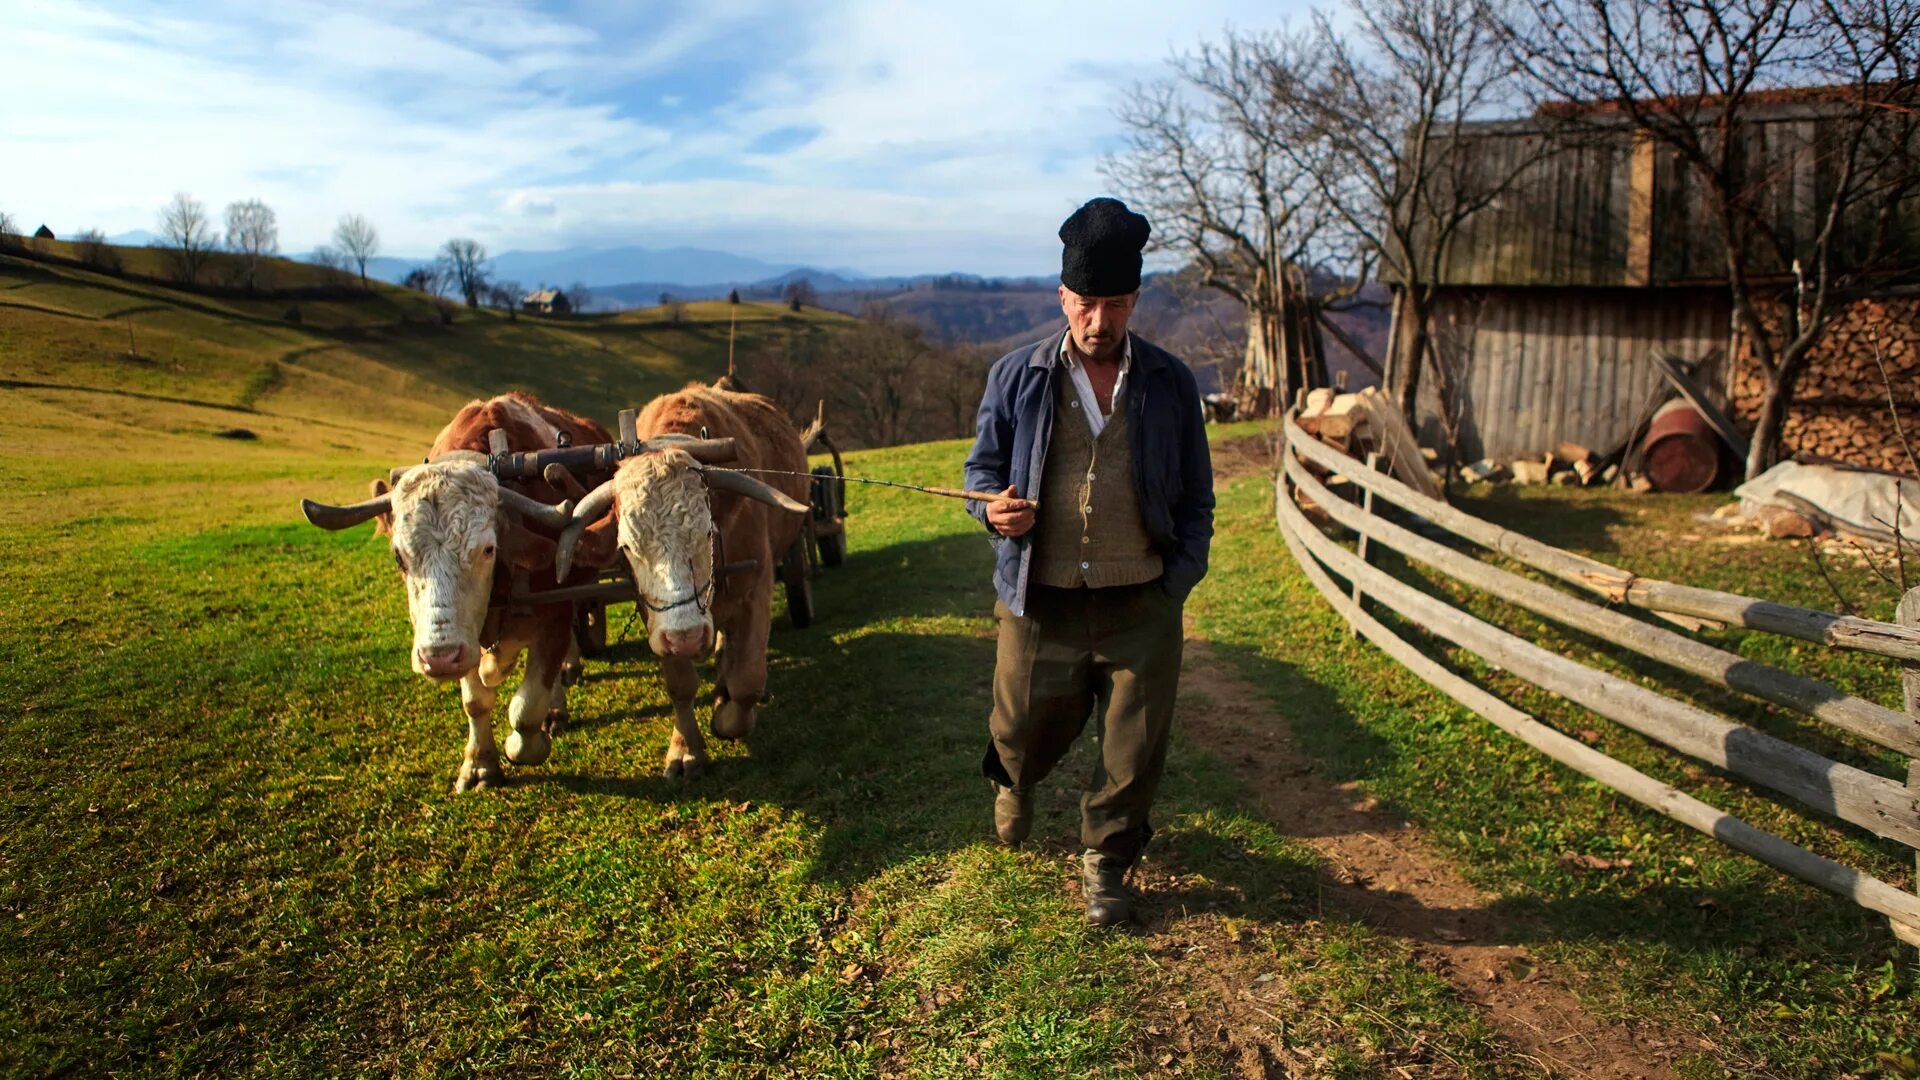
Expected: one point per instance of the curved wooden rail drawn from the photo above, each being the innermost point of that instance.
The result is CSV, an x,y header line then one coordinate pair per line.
x,y
1879,804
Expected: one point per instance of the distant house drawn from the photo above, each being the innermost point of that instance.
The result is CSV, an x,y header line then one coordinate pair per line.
x,y
43,233
546,302
1605,253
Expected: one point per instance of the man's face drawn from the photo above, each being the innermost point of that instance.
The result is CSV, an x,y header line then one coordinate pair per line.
x,y
1098,323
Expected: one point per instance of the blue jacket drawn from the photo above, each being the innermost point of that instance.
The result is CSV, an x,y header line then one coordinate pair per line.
x,y
1172,469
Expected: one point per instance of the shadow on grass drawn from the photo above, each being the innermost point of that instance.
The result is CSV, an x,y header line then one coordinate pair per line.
x,y
874,728
1714,918
1563,522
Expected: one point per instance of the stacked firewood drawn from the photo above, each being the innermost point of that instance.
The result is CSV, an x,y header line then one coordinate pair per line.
x,y
1840,408
1368,422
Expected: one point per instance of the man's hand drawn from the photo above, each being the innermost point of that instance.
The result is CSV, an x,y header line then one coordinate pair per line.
x,y
1012,516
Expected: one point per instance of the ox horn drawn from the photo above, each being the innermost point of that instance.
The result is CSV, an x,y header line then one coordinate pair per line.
x,y
553,517
334,518
740,483
591,509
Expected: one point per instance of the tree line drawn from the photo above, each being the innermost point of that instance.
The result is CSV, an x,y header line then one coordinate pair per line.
x,y
192,238
1292,167
882,380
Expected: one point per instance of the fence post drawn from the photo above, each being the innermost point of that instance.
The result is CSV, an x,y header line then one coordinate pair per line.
x,y
1366,542
1909,615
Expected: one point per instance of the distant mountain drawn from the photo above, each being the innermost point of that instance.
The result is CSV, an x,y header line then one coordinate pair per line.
x,y
134,238
1204,327
637,274
613,266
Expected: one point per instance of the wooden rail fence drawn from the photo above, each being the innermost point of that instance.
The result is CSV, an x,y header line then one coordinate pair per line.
x,y
1882,806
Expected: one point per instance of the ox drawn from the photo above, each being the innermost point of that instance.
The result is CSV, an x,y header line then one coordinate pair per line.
x,y
679,525
459,536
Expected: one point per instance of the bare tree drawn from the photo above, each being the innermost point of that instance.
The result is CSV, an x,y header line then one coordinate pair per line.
x,y
579,296
799,293
357,239
434,279
429,278
188,233
1401,81
506,295
676,311
334,261
9,231
252,233
1691,75
788,370
878,368
952,383
466,262
1220,158
95,253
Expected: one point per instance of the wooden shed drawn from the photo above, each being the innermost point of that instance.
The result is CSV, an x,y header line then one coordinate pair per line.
x,y
1603,252
546,302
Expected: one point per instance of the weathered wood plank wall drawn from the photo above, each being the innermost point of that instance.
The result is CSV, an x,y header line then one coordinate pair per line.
x,y
1561,365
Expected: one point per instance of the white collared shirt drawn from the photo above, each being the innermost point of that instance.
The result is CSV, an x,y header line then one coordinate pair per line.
x,y
1083,386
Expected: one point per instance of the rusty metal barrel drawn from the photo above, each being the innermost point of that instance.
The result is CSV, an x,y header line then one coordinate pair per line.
x,y
1681,453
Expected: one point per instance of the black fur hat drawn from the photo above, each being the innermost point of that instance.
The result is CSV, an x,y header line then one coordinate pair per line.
x,y
1102,254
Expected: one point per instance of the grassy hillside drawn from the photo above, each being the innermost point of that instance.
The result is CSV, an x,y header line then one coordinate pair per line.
x,y
378,371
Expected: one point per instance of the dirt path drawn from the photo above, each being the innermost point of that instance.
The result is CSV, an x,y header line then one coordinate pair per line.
x,y
1380,873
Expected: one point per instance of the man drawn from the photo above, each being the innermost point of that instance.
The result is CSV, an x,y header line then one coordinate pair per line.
x,y
1098,440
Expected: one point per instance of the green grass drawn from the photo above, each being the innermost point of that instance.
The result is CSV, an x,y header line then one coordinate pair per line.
x,y
1773,976
229,843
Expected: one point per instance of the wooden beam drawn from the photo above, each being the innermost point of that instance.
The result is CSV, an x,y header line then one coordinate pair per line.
x,y
1866,719
1869,892
1620,586
1639,268
1874,803
1909,615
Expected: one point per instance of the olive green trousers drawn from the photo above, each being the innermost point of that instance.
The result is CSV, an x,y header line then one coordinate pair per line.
x,y
1113,653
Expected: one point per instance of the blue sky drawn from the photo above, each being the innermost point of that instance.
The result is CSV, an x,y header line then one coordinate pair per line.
x,y
888,137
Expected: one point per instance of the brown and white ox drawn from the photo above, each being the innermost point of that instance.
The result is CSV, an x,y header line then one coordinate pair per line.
x,y
678,524
458,536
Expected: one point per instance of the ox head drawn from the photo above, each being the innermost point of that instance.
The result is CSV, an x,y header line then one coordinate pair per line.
x,y
665,530
451,524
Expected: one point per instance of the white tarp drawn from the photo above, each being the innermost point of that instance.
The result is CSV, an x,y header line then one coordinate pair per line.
x,y
1849,500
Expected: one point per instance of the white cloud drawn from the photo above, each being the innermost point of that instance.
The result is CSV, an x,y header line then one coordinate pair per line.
x,y
949,136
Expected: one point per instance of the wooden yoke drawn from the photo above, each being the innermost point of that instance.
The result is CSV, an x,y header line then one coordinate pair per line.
x,y
602,457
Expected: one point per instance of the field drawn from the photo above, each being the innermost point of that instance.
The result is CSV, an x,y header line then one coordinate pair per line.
x,y
231,844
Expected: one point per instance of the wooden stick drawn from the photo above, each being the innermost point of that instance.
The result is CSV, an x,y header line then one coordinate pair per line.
x,y
1864,718
1619,586
1909,615
1366,507
1863,889
1874,803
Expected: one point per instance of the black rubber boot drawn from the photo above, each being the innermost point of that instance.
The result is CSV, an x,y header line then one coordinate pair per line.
x,y
1103,879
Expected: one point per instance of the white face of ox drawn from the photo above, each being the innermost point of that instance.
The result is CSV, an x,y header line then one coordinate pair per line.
x,y
445,539
665,531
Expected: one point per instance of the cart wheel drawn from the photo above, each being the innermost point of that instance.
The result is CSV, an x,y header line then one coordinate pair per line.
x,y
829,512
590,628
833,548
797,576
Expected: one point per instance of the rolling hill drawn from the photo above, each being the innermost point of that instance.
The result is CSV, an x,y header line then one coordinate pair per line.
x,y
377,369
